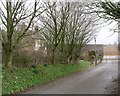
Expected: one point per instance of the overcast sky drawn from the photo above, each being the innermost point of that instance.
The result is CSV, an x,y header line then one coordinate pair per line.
x,y
106,35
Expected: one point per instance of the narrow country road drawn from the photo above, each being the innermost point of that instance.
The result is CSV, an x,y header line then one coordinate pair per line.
x,y
97,80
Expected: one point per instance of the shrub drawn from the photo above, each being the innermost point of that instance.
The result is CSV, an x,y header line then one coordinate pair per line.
x,y
100,57
92,56
28,57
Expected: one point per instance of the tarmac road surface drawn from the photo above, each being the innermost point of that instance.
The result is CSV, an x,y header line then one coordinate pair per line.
x,y
97,80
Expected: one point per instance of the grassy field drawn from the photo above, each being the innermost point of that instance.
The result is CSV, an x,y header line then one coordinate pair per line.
x,y
23,78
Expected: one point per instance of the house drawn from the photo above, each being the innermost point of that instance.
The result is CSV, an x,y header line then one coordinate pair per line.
x,y
99,48
111,49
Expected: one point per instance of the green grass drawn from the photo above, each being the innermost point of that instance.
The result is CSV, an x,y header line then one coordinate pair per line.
x,y
23,78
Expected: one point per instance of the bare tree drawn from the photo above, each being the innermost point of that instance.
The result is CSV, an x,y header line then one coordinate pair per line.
x,y
13,14
54,20
79,31
107,9
67,29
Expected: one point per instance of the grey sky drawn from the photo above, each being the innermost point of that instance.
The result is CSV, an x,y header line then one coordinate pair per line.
x,y
106,35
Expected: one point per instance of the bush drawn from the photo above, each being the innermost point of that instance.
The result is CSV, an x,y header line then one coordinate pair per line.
x,y
92,56
28,57
20,58
84,57
100,57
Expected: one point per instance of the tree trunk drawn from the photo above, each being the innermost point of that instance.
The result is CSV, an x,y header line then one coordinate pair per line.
x,y
76,58
53,57
8,60
69,60
62,56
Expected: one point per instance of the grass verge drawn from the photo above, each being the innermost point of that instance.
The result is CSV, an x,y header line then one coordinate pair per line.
x,y
23,78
